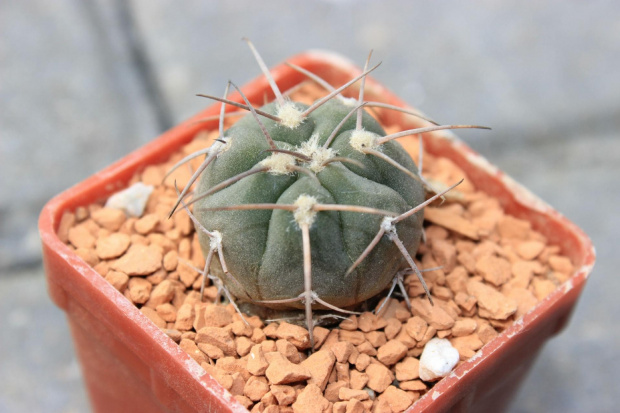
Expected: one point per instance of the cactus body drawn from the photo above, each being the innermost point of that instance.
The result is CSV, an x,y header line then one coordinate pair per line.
x,y
263,248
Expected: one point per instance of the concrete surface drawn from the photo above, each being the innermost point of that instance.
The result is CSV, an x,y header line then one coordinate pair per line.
x,y
82,83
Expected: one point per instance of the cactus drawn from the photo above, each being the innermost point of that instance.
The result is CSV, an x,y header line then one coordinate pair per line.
x,y
308,207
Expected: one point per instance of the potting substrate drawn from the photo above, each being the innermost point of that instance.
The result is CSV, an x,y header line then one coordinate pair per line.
x,y
491,268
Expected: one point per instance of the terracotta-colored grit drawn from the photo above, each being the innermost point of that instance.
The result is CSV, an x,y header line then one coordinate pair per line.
x,y
494,269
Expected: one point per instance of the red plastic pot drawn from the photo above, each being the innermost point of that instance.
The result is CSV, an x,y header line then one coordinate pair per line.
x,y
130,365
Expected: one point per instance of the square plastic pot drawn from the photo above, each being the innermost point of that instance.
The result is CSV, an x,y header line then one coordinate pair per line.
x,y
130,365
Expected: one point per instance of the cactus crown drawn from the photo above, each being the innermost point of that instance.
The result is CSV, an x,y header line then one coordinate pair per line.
x,y
308,207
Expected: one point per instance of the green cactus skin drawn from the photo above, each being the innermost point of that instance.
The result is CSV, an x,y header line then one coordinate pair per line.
x,y
308,207
263,248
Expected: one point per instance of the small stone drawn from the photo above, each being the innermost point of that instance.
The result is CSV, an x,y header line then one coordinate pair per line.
x,y
332,390
240,328
348,394
362,362
311,400
187,274
399,400
211,315
366,348
185,317
118,280
416,327
285,395
296,335
463,327
171,260
498,306
112,246
319,365
243,345
408,369
343,371
451,221
109,218
379,377
233,365
288,350
88,255
80,237
349,324
139,260
404,337
413,385
257,364
445,254
131,200
434,315
561,264
381,406
542,288
255,388
494,270
218,337
342,350
367,321
67,222
175,335
511,227
354,337
524,298
154,317
320,335
457,279
268,346
392,328
466,345
282,371
465,301
486,332
245,402
211,351
376,338
139,290
438,359
354,406
529,250
167,312
339,407
358,380
194,352
146,224
391,352
161,294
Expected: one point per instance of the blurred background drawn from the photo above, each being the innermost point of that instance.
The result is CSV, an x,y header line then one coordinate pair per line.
x,y
84,82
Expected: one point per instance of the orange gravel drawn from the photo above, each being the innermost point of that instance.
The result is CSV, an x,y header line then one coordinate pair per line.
x,y
494,269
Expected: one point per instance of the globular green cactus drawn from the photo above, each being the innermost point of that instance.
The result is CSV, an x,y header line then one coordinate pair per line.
x,y
308,207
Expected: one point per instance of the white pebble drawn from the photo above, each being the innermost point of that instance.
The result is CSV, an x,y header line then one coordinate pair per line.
x,y
438,359
131,200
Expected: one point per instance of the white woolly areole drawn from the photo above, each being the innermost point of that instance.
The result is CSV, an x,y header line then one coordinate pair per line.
x,y
279,163
215,240
316,152
304,214
438,359
386,224
289,115
362,139
348,101
219,148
